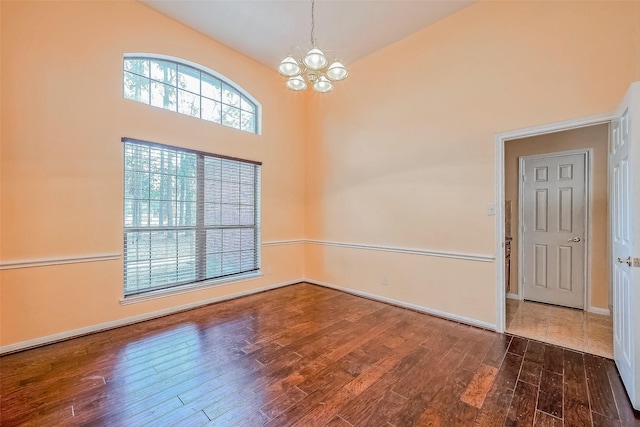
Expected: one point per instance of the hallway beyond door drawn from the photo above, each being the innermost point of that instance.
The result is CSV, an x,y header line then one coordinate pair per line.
x,y
572,328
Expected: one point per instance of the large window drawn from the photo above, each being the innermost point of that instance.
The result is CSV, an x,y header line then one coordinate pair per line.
x,y
189,217
190,90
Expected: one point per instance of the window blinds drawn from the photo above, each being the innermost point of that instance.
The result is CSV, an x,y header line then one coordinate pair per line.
x,y
188,216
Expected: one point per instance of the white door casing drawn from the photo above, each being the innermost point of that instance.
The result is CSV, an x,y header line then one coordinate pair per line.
x,y
624,183
553,215
500,139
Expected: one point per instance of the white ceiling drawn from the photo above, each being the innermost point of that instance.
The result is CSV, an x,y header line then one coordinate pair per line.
x,y
265,30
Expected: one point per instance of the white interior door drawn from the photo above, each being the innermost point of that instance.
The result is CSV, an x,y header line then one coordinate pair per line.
x,y
554,212
624,184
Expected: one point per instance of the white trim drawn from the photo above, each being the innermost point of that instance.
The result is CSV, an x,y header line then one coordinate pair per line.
x,y
182,289
284,242
556,154
598,310
43,262
23,345
587,154
501,303
556,127
511,295
589,227
412,251
438,313
134,319
499,141
396,249
518,232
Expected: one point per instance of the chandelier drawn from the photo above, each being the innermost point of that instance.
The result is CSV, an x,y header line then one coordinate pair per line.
x,y
313,69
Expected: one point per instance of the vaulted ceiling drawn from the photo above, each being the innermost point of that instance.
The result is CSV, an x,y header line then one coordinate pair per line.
x,y
265,30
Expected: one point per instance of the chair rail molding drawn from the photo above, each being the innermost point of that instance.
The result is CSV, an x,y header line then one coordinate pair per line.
x,y
411,251
44,262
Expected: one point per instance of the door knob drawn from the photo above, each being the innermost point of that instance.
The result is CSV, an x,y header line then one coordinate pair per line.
x,y
625,261
574,239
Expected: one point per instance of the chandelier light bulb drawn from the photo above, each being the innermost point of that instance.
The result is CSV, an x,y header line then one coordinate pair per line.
x,y
337,71
323,85
315,59
296,83
289,67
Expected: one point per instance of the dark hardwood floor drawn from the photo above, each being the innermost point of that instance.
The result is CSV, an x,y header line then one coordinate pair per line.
x,y
309,356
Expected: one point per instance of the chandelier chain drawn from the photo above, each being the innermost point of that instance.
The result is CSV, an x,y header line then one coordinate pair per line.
x,y
313,24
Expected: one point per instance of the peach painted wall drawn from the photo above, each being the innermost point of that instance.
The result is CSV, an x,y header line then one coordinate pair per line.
x,y
638,44
596,138
61,178
0,167
402,152
408,163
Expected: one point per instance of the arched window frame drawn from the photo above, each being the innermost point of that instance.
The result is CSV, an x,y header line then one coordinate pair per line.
x,y
211,74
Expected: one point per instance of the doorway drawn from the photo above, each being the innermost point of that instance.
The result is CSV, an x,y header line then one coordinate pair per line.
x,y
589,327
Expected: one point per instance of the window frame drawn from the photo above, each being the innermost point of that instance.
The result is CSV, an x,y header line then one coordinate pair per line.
x,y
202,69
198,283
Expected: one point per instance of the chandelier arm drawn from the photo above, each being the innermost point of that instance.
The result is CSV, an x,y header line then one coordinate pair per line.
x,y
331,56
294,48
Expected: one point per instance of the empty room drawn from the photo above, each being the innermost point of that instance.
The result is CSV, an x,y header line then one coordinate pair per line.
x,y
319,213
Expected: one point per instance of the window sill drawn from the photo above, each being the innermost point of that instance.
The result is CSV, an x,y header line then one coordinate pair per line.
x,y
161,293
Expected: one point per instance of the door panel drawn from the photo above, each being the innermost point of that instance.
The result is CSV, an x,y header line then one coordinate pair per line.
x,y
565,260
542,209
566,210
540,259
623,162
554,211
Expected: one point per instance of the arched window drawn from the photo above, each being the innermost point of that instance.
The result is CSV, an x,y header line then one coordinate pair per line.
x,y
187,88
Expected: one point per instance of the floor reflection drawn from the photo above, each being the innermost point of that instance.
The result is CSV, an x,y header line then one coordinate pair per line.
x,y
177,370
568,327
301,355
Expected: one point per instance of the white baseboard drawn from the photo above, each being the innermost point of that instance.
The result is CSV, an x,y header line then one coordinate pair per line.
x,y
443,314
50,339
598,310
513,296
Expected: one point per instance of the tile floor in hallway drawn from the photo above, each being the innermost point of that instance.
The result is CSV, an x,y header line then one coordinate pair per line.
x,y
567,327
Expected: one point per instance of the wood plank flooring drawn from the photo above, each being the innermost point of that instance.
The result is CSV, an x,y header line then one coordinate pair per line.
x,y
305,355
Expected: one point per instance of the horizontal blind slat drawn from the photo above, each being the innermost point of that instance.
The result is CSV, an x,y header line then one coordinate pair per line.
x,y
167,218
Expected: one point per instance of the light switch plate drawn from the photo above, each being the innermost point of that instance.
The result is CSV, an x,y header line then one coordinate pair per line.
x,y
491,209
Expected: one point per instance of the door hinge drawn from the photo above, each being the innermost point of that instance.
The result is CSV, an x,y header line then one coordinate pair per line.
x,y
524,178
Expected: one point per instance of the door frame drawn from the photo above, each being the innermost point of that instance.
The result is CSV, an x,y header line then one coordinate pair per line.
x,y
499,141
588,190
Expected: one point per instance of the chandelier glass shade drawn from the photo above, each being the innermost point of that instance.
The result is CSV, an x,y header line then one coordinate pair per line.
x,y
315,59
322,85
289,67
337,71
313,69
296,83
